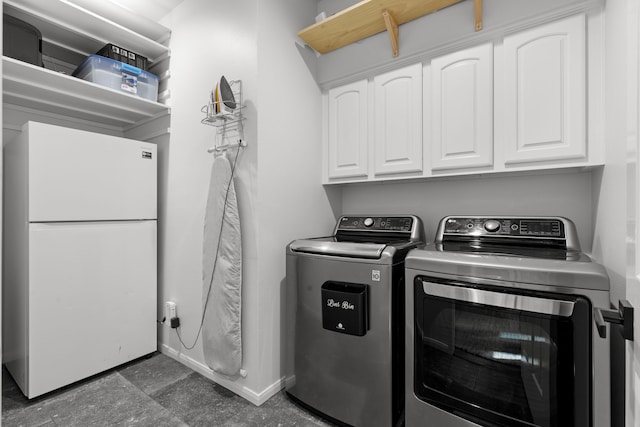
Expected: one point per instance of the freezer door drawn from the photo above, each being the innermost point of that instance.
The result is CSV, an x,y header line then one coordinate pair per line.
x,y
92,299
83,176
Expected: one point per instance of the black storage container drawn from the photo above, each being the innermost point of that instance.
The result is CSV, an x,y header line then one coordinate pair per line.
x,y
123,55
345,308
21,40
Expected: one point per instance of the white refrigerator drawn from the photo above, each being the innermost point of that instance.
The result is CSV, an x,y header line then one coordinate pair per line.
x,y
80,255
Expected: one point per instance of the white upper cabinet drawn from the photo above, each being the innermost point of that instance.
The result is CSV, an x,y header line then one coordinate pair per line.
x,y
544,89
516,104
459,109
348,131
398,121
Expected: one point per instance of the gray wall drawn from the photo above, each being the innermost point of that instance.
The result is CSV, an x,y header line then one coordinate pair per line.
x,y
568,195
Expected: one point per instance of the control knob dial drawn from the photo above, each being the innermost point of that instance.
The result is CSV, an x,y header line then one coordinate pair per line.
x,y
368,222
491,225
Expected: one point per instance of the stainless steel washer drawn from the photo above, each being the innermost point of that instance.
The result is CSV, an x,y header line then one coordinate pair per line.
x,y
348,344
500,329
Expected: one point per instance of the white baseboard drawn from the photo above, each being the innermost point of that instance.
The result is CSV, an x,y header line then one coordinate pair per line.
x,y
290,381
257,398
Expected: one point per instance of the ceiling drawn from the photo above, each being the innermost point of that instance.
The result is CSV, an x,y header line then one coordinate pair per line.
x,y
153,10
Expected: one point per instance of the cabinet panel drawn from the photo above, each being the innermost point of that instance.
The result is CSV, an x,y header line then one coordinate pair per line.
x,y
460,130
544,87
348,130
398,121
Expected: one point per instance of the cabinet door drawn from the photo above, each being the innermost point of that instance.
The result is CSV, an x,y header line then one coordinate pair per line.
x,y
460,133
348,130
398,121
544,114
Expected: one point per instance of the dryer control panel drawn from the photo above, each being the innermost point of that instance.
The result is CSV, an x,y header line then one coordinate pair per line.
x,y
516,227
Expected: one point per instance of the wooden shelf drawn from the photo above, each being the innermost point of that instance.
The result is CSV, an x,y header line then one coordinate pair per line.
x,y
370,17
34,87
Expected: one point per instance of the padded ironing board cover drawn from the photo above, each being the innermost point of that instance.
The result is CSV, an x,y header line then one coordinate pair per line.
x,y
221,331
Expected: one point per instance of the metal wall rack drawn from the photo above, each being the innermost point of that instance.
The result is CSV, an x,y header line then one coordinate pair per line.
x,y
226,120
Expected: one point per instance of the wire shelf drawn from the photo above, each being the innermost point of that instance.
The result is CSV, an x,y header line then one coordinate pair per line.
x,y
218,113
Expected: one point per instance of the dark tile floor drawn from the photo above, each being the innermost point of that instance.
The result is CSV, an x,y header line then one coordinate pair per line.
x,y
154,392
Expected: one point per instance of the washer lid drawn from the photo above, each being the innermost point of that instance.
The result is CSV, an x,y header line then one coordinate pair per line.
x,y
386,238
579,274
330,246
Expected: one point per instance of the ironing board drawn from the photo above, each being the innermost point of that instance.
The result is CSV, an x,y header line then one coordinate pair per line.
x,y
221,330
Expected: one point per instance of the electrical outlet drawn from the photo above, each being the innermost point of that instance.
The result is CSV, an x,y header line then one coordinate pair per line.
x,y
170,311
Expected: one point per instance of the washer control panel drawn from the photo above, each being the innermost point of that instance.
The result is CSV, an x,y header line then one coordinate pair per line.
x,y
376,223
505,227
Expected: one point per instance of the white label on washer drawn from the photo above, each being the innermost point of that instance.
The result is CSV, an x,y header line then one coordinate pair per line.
x,y
375,275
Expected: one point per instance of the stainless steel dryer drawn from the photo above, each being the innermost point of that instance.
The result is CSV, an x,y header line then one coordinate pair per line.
x,y
348,341
500,329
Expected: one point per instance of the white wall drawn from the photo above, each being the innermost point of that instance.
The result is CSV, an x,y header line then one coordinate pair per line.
x,y
633,210
632,365
1,213
610,189
291,200
207,41
278,178
610,192
615,198
620,187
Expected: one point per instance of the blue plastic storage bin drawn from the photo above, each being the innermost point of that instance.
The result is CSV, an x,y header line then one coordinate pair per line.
x,y
119,76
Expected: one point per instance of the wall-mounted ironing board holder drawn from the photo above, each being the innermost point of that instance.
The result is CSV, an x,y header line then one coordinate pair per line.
x,y
623,317
224,147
